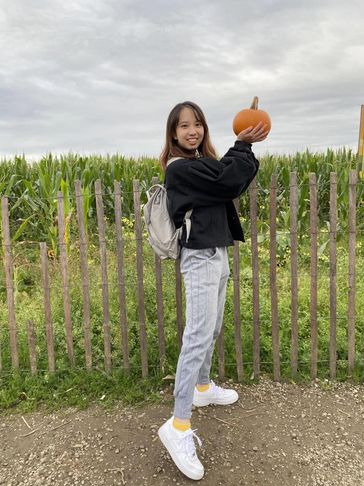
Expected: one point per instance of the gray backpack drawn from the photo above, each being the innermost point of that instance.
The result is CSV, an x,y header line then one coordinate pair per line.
x,y
163,236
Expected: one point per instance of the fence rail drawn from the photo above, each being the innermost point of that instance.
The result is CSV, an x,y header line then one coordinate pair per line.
x,y
314,231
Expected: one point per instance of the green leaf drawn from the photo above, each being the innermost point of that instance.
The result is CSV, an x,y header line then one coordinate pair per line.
x,y
21,228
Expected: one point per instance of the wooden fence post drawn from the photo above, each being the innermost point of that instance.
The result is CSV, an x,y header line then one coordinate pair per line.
x,y
139,259
9,275
353,179
273,278
361,133
333,256
237,318
313,273
84,275
294,273
159,301
255,273
121,276
47,307
104,276
65,284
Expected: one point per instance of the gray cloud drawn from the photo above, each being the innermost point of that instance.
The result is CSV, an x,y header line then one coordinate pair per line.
x,y
101,76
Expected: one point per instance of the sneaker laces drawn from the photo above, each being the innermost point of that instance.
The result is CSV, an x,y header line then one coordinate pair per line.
x,y
216,390
189,442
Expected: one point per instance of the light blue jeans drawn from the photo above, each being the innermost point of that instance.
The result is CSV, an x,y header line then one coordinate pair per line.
x,y
205,274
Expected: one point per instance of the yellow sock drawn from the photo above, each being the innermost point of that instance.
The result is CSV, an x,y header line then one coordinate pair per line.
x,y
181,424
202,388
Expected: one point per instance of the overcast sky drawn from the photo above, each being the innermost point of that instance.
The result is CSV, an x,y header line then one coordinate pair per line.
x,y
100,76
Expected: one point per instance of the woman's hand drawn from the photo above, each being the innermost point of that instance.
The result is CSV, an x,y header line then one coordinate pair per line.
x,y
254,134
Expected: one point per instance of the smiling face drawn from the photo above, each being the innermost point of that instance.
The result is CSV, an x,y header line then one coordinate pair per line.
x,y
189,130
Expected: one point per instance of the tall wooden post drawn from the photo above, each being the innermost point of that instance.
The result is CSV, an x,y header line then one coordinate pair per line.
x,y
82,232
273,278
361,133
9,278
361,141
237,316
253,190
333,274
313,272
104,275
65,278
140,276
294,272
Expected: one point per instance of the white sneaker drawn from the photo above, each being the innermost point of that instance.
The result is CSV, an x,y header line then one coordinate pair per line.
x,y
215,395
182,449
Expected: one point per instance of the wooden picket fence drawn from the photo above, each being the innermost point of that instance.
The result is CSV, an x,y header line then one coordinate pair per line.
x,y
140,240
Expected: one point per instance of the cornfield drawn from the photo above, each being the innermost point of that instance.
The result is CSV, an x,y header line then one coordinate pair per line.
x,y
32,188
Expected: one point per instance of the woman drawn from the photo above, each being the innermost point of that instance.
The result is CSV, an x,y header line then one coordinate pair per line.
x,y
198,181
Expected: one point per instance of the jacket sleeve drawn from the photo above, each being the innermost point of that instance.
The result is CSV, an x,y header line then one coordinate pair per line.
x,y
214,181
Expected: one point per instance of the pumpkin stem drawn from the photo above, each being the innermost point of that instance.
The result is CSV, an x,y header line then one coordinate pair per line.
x,y
254,105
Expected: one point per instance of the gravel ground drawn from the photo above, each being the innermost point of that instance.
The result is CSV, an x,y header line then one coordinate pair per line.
x,y
275,435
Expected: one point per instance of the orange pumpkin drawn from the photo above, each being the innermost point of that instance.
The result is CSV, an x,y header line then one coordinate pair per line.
x,y
250,117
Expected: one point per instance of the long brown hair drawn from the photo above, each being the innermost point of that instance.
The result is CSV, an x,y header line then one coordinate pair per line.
x,y
171,147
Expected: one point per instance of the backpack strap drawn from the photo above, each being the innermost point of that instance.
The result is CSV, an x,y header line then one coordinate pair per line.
x,y
173,159
149,191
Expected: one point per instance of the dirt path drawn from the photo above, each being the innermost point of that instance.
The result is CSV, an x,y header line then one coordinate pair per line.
x,y
275,435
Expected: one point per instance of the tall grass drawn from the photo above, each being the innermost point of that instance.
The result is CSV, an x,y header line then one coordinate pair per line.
x,y
32,187
304,163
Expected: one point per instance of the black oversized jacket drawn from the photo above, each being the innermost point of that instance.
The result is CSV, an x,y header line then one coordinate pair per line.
x,y
208,187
